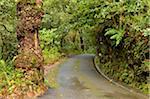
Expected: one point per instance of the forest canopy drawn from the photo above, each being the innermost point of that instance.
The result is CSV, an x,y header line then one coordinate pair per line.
x,y
117,31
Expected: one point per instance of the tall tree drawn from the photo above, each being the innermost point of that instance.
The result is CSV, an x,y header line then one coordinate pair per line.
x,y
30,60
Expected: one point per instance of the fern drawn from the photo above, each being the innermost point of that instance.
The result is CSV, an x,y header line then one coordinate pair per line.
x,y
115,34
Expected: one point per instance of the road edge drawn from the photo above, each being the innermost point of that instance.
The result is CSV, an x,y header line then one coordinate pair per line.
x,y
114,82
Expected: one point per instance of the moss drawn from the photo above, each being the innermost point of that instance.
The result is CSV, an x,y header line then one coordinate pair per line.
x,y
27,60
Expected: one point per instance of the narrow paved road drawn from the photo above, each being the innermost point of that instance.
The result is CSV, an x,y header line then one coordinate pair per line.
x,y
78,79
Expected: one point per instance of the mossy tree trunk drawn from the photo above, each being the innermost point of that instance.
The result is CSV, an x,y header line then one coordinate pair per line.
x,y
29,59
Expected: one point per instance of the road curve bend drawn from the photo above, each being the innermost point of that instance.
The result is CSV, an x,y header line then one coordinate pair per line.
x,y
78,79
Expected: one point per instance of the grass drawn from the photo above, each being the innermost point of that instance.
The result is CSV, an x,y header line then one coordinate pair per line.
x,y
51,77
52,73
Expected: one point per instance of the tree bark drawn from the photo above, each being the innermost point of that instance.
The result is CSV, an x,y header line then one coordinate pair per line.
x,y
81,41
29,59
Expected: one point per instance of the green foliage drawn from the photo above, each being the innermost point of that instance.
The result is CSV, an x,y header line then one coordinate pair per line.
x,y
13,80
50,44
51,55
117,29
7,29
60,15
9,77
115,34
49,38
121,29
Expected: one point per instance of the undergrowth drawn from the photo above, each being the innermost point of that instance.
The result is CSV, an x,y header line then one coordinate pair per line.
x,y
14,83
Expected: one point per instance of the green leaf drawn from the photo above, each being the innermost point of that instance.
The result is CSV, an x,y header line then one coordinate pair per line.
x,y
111,32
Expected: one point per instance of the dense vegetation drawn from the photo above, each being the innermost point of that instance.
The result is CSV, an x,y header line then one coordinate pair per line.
x,y
116,30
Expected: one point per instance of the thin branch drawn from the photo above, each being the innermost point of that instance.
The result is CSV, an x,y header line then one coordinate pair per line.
x,y
5,28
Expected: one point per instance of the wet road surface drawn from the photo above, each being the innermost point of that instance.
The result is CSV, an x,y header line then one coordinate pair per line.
x,y
78,79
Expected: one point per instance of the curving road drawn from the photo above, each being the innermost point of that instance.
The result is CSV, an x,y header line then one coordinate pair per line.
x,y
78,79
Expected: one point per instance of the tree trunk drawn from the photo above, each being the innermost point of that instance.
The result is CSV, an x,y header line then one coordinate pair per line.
x,y
29,59
81,43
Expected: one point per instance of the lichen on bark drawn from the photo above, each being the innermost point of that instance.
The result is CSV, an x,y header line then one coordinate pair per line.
x,y
29,59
